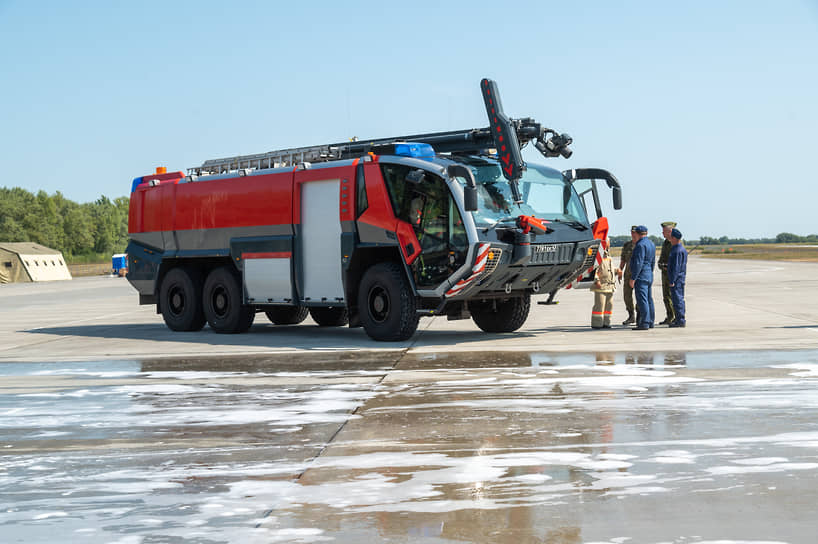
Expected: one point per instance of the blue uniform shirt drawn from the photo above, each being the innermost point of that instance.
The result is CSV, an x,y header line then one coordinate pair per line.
x,y
642,260
677,264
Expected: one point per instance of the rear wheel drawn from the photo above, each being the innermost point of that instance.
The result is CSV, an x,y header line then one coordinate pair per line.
x,y
180,299
287,315
387,306
330,317
222,303
501,315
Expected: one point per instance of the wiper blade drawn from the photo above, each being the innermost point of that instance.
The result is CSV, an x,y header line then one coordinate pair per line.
x,y
501,220
575,224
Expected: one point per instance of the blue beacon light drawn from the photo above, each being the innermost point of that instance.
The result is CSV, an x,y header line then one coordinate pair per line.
x,y
136,183
415,149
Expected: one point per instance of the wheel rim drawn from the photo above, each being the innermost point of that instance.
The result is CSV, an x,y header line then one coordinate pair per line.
x,y
176,300
378,303
220,301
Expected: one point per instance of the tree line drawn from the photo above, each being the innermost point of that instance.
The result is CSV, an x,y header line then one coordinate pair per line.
x,y
82,232
781,238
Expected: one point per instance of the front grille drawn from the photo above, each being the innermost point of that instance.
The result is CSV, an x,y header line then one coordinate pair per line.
x,y
551,253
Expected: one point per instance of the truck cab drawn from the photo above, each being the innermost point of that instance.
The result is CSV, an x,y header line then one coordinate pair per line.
x,y
479,262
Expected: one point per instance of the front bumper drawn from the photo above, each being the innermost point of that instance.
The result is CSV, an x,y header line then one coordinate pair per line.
x,y
542,268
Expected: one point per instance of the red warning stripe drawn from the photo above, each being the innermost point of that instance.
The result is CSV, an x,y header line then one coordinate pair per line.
x,y
268,255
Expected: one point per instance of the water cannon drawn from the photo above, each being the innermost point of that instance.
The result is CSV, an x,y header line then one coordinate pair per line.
x,y
555,146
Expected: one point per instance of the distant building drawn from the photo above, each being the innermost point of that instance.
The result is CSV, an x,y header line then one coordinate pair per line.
x,y
27,261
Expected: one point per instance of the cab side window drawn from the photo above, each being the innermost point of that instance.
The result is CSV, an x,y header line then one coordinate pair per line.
x,y
361,200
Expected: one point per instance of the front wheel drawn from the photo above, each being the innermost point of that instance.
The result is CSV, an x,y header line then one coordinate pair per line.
x,y
223,305
387,306
501,315
330,317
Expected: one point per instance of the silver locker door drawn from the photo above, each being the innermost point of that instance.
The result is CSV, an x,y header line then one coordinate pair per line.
x,y
321,241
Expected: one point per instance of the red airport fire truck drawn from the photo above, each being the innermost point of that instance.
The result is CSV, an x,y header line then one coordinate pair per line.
x,y
373,233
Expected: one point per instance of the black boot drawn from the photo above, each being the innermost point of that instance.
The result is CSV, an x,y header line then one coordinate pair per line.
x,y
631,319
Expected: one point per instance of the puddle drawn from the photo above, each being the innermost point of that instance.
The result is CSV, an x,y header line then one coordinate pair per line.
x,y
489,447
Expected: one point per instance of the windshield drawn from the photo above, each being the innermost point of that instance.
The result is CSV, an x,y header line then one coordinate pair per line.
x,y
546,194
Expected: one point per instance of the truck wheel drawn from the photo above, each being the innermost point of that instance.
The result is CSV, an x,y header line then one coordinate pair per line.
x,y
386,303
501,315
180,298
222,303
330,317
287,315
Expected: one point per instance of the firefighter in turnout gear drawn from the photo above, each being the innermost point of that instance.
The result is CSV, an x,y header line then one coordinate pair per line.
x,y
625,270
603,289
670,316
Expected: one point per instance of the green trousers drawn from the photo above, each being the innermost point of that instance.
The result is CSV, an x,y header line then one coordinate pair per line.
x,y
669,313
627,292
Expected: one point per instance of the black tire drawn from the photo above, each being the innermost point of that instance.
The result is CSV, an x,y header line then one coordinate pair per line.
x,y
287,315
501,315
387,306
330,316
180,299
223,305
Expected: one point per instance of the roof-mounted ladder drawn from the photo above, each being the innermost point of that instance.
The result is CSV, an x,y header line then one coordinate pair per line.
x,y
506,136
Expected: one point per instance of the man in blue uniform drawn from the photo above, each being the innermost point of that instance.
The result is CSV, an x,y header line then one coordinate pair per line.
x,y
676,273
642,263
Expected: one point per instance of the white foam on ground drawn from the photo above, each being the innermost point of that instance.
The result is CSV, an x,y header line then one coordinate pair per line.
x,y
740,542
638,490
160,389
296,535
49,515
392,491
532,478
673,457
760,461
805,370
753,469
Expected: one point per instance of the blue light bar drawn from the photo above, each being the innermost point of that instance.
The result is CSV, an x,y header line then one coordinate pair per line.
x,y
415,149
135,184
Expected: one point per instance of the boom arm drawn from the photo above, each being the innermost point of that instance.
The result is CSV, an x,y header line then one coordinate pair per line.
x,y
505,138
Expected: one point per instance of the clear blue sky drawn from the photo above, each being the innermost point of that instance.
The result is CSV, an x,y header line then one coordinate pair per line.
x,y
706,111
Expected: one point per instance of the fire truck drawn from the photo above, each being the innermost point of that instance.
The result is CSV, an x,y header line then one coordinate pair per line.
x,y
375,233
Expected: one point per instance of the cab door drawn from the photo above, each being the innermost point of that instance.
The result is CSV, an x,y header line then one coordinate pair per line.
x,y
422,199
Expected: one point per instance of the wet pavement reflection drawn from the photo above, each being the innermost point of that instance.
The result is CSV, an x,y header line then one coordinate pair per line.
x,y
400,446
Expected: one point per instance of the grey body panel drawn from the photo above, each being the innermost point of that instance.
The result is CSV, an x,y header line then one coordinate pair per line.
x,y
268,281
217,240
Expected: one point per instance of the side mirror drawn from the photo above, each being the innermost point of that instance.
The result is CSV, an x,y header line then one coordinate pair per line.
x,y
470,191
598,173
470,199
617,197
